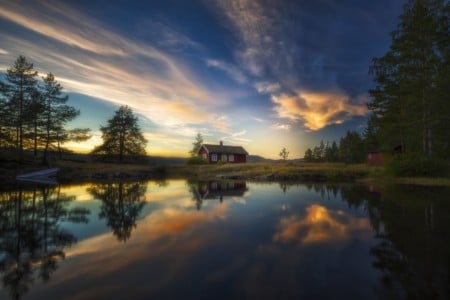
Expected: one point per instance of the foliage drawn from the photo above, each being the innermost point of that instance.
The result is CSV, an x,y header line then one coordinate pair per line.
x,y
56,113
196,160
196,144
418,166
351,148
284,154
33,114
19,92
221,162
122,136
410,100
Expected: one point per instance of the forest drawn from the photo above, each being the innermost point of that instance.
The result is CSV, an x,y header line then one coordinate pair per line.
x,y
409,104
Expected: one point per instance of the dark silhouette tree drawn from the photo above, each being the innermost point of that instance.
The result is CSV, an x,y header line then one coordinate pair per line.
x,y
196,144
308,155
19,89
56,113
412,79
122,136
284,154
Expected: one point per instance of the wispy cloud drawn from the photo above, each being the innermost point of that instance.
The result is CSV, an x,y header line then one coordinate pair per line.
x,y
265,87
90,59
317,110
259,120
252,25
279,126
234,72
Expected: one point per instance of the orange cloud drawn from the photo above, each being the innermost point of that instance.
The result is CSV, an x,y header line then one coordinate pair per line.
x,y
317,110
319,226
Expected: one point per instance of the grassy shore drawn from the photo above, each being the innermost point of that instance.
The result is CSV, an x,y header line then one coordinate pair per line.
x,y
78,171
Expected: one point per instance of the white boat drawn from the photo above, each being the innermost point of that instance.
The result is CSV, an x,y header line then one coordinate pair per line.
x,y
46,176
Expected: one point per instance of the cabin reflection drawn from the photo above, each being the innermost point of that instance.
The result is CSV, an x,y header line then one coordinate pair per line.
x,y
217,190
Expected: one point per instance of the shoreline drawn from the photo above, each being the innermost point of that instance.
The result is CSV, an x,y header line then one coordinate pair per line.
x,y
80,172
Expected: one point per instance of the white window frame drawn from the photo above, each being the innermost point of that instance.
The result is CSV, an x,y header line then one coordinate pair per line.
x,y
213,157
230,157
204,156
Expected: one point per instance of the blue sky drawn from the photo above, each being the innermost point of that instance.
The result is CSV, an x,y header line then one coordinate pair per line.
x,y
261,74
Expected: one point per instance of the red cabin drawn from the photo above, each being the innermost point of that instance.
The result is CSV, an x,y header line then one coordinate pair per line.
x,y
216,153
374,158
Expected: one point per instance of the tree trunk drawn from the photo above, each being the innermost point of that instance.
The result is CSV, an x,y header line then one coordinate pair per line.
x,y
35,137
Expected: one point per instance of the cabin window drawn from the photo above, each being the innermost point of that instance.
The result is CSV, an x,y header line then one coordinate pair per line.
x,y
230,157
214,185
214,157
204,156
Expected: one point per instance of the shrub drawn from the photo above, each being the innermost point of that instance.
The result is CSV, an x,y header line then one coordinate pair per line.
x,y
196,160
418,166
221,162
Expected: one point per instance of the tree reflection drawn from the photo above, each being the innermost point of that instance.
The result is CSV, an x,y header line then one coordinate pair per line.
x,y
411,226
31,237
122,203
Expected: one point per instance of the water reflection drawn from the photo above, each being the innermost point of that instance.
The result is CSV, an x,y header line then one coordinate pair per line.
x,y
319,225
31,238
122,202
229,240
216,190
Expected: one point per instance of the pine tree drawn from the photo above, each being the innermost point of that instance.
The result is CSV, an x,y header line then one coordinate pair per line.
x,y
409,79
19,90
196,144
122,136
56,113
308,157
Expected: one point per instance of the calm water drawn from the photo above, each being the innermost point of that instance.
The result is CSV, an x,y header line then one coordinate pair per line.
x,y
235,240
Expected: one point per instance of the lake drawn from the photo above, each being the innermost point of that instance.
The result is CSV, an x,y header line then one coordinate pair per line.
x,y
224,240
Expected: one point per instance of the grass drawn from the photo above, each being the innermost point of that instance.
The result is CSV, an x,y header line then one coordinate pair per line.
x,y
83,171
283,171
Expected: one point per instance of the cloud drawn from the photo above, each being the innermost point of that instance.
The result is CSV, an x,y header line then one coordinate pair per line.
x,y
265,87
3,52
167,36
240,133
252,25
281,126
317,110
90,59
230,69
259,120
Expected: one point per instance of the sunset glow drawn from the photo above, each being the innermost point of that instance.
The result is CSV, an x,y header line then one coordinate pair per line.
x,y
239,71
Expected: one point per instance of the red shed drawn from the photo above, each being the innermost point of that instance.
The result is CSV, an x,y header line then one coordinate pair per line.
x,y
229,154
374,158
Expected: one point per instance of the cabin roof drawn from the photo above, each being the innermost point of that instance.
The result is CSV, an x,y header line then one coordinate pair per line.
x,y
224,149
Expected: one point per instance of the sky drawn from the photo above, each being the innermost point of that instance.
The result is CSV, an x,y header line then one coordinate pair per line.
x,y
260,74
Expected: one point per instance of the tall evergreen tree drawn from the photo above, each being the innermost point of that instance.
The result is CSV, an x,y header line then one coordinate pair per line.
x,y
409,77
20,87
122,136
308,155
196,144
56,113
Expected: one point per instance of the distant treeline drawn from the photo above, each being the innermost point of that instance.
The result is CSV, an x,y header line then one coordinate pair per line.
x,y
350,149
34,113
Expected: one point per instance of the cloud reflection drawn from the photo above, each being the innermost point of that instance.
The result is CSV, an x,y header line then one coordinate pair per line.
x,y
320,225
